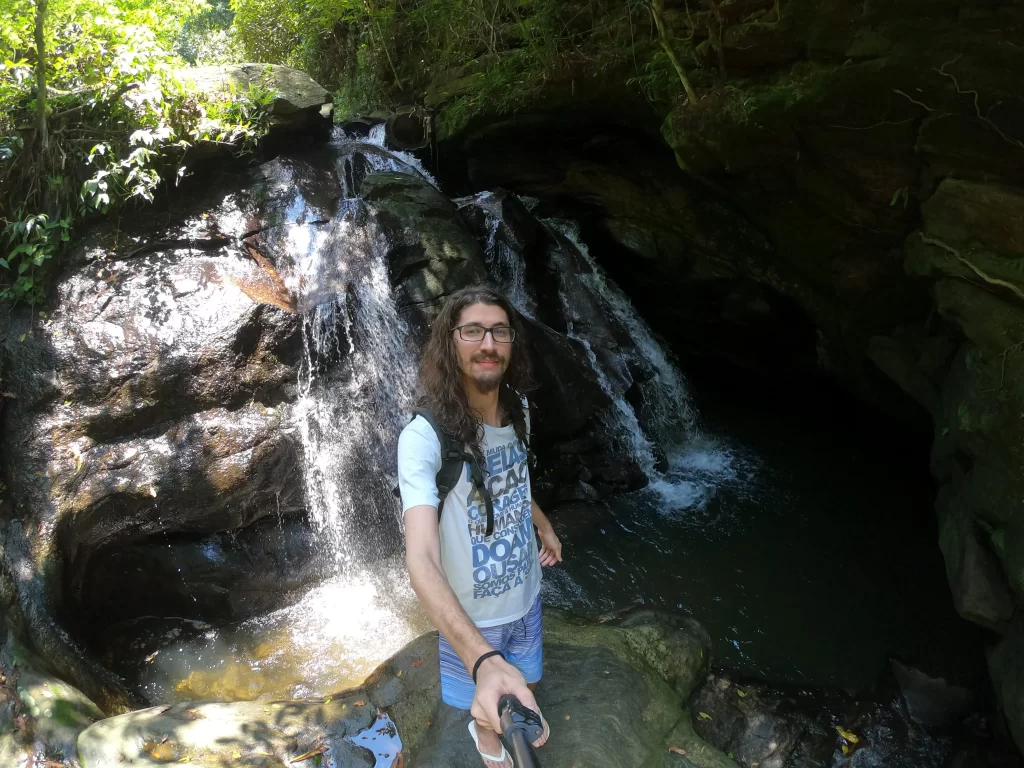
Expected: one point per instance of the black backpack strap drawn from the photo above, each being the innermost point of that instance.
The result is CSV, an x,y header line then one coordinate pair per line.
x,y
454,455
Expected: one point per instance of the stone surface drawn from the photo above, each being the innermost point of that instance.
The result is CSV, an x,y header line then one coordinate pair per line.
x,y
40,716
218,735
640,671
908,720
298,104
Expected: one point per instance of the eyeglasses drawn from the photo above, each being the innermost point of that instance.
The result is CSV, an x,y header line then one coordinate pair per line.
x,y
502,334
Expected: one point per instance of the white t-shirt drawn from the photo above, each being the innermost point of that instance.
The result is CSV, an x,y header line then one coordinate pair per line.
x,y
496,578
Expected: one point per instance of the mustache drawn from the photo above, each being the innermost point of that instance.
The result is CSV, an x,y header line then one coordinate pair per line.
x,y
487,357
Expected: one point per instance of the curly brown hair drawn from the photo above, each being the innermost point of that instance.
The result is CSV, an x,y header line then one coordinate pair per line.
x,y
441,376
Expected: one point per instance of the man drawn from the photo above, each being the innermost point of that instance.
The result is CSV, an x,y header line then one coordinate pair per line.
x,y
481,591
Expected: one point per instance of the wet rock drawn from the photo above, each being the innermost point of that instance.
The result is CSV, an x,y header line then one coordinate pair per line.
x,y
931,701
639,671
40,716
222,576
910,721
430,252
152,395
260,734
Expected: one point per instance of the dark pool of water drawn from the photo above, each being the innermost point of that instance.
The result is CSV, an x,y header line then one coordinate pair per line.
x,y
798,528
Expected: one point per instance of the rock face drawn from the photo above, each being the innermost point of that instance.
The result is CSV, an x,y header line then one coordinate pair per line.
x,y
297,104
640,669
40,716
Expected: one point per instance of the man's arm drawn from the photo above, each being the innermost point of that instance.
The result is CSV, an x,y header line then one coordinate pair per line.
x,y
550,546
495,677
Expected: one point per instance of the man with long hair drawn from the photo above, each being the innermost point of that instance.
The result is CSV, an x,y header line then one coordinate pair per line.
x,y
476,570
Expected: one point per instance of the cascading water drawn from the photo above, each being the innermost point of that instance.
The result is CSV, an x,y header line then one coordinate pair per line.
x,y
504,264
665,403
358,376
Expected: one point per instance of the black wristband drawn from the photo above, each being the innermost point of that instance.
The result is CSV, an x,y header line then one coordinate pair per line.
x,y
480,661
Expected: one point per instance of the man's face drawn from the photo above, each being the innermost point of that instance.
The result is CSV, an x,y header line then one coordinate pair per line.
x,y
483,362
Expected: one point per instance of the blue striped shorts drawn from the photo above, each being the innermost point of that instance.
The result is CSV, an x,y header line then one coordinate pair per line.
x,y
519,641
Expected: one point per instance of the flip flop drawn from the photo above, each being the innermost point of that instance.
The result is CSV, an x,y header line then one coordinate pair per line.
x,y
496,758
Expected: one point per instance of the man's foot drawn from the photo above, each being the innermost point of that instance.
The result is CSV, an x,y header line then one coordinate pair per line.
x,y
543,738
490,747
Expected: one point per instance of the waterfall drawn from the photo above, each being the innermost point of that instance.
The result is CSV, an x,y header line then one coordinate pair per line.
x,y
666,408
503,263
356,380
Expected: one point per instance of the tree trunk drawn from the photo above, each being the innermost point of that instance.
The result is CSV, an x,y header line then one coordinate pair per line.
x,y
658,11
41,135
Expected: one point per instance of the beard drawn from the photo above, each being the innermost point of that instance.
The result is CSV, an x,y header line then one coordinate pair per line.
x,y
488,382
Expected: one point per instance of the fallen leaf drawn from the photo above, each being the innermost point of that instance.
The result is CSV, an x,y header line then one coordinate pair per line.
x,y
398,673
704,716
677,750
850,737
328,700
846,749
306,755
236,755
416,664
359,703
741,694
607,672
568,717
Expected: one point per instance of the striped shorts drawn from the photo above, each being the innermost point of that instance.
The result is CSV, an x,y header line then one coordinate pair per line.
x,y
519,641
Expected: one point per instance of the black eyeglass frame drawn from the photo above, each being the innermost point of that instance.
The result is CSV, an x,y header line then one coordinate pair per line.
x,y
509,328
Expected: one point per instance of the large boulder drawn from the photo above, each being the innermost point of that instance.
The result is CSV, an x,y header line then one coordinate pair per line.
x,y
294,102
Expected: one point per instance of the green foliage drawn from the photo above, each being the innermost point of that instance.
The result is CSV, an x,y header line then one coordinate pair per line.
x,y
379,53
118,122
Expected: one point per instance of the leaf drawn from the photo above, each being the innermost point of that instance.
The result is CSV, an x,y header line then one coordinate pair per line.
x,y
677,750
850,737
21,339
328,700
704,716
312,753
359,703
417,663
398,673
741,694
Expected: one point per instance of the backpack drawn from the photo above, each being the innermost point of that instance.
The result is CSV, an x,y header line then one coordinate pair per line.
x,y
454,456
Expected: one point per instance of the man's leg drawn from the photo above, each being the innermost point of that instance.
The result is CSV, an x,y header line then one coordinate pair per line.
x,y
525,651
458,689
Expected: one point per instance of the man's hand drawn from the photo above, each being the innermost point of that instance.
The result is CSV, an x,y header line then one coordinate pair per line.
x,y
494,679
550,546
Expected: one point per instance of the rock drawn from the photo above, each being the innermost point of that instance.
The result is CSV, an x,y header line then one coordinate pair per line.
x,y
215,577
40,716
211,734
409,129
430,252
151,396
298,104
1006,664
908,720
931,701
641,670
